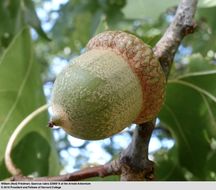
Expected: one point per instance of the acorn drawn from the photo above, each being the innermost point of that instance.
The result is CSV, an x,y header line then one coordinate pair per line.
x,y
116,82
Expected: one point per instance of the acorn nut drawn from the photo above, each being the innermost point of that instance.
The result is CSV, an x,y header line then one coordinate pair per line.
x,y
115,83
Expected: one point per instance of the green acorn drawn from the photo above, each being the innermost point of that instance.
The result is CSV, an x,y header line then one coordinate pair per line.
x,y
115,83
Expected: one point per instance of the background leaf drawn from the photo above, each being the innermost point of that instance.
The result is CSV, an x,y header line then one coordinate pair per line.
x,y
152,9
193,125
79,20
147,8
207,3
20,94
14,16
32,19
167,167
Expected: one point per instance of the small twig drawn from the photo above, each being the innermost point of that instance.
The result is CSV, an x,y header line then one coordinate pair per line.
x,y
8,160
182,25
111,168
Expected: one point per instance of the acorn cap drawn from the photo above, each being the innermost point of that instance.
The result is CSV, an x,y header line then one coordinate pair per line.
x,y
143,63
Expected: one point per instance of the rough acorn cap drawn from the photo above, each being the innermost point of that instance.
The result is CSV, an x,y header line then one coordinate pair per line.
x,y
141,59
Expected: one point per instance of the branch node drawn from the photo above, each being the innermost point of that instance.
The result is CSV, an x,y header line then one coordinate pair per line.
x,y
189,29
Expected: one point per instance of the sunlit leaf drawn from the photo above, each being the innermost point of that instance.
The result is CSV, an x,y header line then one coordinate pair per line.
x,y
147,8
207,3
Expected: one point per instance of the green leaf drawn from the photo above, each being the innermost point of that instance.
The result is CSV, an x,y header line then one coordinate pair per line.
x,y
100,25
20,94
147,8
198,63
81,34
7,25
32,19
152,9
167,167
189,112
16,15
208,14
75,25
204,38
207,3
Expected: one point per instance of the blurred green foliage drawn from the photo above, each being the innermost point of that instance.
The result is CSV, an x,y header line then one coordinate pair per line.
x,y
188,114
20,94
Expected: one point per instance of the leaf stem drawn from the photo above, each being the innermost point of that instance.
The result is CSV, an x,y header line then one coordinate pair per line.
x,y
8,160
